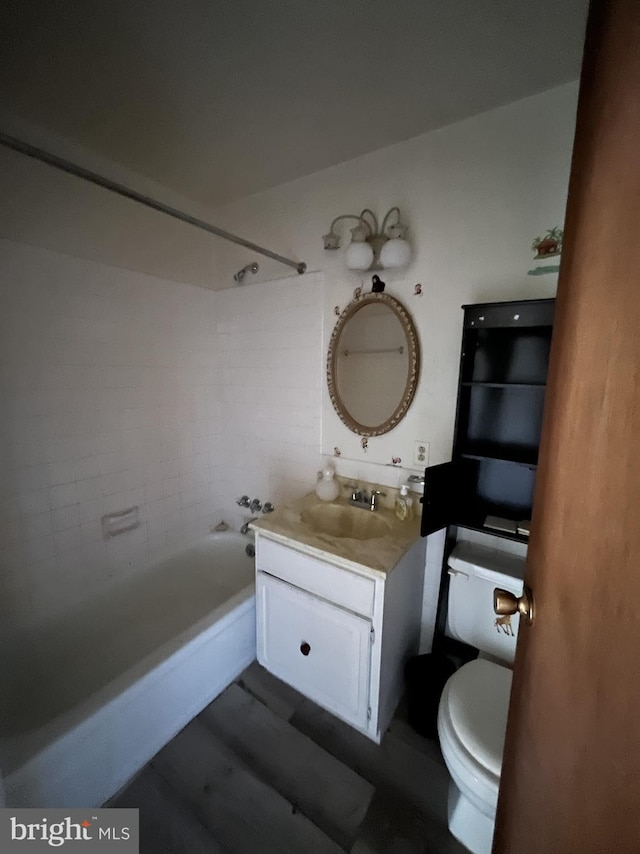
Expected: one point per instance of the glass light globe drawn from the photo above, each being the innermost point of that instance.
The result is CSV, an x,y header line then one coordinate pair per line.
x,y
395,253
359,256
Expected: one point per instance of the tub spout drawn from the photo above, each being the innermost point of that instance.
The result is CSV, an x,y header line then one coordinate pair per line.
x,y
244,529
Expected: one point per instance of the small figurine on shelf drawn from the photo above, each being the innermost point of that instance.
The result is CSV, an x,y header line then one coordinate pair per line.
x,y
377,285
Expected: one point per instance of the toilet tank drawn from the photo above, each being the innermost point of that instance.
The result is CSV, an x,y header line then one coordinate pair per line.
x,y
474,572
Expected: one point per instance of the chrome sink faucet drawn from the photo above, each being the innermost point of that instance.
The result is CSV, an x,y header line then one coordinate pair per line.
x,y
373,504
361,498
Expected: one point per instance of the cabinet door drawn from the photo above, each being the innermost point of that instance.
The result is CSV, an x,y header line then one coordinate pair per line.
x,y
318,648
441,499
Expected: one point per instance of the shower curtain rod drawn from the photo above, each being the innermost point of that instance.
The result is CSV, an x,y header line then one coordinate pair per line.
x,y
106,183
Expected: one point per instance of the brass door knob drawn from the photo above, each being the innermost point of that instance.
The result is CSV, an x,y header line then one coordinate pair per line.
x,y
505,602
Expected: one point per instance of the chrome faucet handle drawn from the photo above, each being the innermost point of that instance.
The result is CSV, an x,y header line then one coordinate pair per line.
x,y
374,498
256,505
244,501
268,507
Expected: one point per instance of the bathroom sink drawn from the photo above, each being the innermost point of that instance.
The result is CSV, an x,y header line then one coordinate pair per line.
x,y
339,520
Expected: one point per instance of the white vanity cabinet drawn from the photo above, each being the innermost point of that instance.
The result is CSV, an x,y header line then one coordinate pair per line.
x,y
340,636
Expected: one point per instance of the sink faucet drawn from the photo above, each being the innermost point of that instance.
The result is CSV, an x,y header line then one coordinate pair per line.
x,y
374,498
361,498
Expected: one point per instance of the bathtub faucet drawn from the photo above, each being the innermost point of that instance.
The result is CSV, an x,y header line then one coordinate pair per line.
x,y
244,529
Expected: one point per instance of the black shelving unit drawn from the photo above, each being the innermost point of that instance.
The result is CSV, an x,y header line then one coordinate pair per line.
x,y
503,372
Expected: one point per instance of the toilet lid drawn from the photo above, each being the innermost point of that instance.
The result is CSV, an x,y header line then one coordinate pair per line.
x,y
478,702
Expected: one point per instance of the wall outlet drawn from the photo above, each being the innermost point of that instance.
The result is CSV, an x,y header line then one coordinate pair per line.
x,y
421,454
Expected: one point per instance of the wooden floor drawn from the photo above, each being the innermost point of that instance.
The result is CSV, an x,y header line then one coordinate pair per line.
x,y
262,770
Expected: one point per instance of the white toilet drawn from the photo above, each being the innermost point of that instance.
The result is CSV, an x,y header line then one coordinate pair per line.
x,y
472,716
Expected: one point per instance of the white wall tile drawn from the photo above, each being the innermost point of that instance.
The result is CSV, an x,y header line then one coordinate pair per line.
x,y
65,517
34,502
111,394
63,495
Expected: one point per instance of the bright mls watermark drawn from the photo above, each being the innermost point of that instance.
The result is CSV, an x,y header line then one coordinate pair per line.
x,y
114,831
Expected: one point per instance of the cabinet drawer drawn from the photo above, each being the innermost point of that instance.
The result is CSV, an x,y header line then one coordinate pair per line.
x,y
345,588
318,648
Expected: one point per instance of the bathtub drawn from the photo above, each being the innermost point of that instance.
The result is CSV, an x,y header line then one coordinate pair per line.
x,y
88,699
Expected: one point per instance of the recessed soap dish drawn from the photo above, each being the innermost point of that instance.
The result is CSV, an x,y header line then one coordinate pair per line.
x,y
120,522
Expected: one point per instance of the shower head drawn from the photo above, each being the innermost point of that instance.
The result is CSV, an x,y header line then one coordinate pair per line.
x,y
250,268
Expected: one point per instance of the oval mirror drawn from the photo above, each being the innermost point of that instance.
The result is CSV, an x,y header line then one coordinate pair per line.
x,y
373,364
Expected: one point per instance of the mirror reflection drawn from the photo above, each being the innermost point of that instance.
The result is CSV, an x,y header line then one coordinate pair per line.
x,y
372,368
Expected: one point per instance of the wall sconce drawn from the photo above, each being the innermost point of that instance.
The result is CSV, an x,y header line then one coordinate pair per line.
x,y
371,247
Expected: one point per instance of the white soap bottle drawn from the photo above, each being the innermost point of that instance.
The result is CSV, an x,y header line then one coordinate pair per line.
x,y
327,487
404,504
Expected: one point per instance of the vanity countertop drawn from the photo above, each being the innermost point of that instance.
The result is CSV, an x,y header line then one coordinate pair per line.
x,y
377,555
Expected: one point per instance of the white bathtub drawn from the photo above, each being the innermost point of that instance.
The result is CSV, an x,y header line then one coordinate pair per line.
x,y
87,700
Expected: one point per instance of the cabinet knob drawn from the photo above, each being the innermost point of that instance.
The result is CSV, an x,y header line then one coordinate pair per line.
x,y
305,649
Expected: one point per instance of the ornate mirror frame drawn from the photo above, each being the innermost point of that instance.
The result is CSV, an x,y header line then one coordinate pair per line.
x,y
413,352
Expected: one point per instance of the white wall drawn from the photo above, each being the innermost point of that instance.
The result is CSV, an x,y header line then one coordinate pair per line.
x,y
474,195
45,207
270,339
108,398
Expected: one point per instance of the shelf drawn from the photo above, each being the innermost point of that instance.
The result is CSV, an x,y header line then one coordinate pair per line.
x,y
472,526
501,453
473,384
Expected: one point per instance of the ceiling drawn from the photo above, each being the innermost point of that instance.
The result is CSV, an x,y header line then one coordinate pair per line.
x,y
218,99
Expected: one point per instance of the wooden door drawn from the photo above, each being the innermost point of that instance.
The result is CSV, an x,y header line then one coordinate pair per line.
x,y
571,773
318,648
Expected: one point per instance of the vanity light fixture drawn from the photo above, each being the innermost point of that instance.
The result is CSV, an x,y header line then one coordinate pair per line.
x,y
372,247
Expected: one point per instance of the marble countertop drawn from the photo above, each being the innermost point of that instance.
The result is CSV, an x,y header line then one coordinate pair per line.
x,y
378,555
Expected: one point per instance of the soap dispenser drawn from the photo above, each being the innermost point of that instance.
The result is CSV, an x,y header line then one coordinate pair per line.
x,y
327,487
404,504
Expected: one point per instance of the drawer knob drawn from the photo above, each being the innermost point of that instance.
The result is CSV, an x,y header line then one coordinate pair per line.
x,y
305,649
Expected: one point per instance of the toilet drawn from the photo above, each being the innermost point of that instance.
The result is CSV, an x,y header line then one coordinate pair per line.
x,y
472,715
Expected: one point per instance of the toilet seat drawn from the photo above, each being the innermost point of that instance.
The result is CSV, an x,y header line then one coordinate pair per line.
x,y
472,721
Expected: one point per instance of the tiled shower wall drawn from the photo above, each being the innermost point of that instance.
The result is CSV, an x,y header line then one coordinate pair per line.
x,y
118,388
109,397
270,339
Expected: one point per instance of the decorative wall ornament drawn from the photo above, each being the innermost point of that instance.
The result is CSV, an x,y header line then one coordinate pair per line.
x,y
365,443
395,461
358,292
417,291
504,624
336,310
377,285
547,247
337,452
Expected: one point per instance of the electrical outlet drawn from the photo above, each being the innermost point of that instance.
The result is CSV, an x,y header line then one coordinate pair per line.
x,y
421,454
